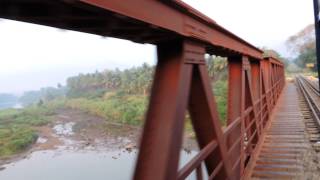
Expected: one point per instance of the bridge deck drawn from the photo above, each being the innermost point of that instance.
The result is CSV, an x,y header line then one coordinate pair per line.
x,y
285,144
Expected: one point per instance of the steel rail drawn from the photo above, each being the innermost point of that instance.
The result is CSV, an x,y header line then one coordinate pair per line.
x,y
314,107
311,85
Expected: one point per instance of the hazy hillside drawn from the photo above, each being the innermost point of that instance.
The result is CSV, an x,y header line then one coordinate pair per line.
x,y
7,100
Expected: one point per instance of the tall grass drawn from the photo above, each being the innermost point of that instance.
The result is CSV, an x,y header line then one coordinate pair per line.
x,y
16,128
130,109
117,107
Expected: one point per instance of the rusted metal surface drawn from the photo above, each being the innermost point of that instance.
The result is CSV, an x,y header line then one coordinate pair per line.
x,y
254,87
287,149
162,137
182,35
285,142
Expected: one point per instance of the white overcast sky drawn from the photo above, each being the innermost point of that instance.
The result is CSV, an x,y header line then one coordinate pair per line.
x,y
34,56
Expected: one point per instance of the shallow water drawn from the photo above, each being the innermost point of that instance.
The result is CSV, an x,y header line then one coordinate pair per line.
x,y
75,165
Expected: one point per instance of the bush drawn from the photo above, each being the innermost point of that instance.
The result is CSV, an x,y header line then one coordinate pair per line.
x,y
18,139
117,107
220,89
90,94
16,132
4,133
9,113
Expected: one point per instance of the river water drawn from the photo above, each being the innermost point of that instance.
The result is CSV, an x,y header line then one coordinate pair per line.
x,y
80,165
68,163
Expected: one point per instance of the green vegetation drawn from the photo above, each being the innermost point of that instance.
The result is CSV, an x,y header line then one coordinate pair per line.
x,y
117,95
117,107
129,81
218,72
120,96
17,128
302,49
220,89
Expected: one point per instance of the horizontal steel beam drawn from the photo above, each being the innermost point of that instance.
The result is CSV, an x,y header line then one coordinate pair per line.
x,y
273,60
178,17
152,21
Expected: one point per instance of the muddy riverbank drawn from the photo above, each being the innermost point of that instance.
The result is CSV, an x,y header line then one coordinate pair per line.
x,y
79,131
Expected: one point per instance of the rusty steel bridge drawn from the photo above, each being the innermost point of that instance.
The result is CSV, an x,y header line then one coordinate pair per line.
x,y
264,121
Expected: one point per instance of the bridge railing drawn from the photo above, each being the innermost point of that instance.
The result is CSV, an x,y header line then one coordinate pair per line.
x,y
254,87
182,83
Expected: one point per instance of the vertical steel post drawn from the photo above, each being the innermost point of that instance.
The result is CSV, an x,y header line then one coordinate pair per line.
x,y
199,173
163,130
251,118
317,32
181,81
267,83
256,90
234,110
205,120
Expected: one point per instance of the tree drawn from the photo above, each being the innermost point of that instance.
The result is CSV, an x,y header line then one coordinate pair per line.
x,y
305,39
273,53
306,57
135,80
217,67
302,46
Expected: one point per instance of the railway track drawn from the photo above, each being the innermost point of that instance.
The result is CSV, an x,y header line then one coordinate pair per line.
x,y
288,150
310,108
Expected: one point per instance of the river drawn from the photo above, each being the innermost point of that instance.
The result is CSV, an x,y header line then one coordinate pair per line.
x,y
80,165
71,160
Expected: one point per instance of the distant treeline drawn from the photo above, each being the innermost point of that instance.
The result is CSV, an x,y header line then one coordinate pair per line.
x,y
8,98
132,81
136,80
120,95
44,94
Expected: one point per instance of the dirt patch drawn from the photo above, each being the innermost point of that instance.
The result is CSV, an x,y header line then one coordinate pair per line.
x,y
311,165
51,141
96,131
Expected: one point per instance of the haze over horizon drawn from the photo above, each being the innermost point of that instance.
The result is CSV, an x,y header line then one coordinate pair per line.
x,y
36,56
